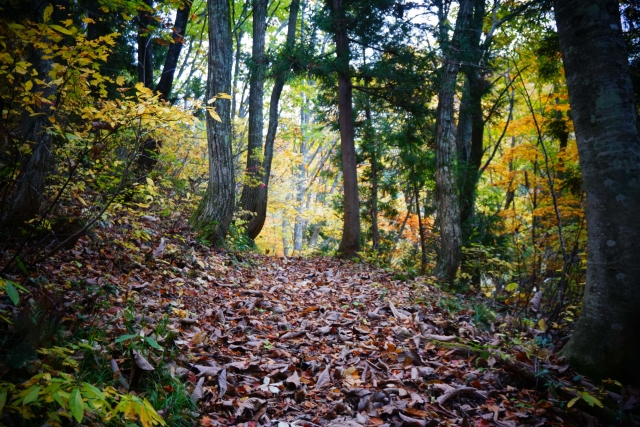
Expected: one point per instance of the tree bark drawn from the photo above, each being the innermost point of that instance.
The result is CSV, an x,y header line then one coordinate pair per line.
x,y
253,173
605,341
373,158
450,250
145,58
173,54
476,89
257,220
350,243
213,216
27,196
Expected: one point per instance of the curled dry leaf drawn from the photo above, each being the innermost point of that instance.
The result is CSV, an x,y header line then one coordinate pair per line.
x,y
535,301
141,362
324,378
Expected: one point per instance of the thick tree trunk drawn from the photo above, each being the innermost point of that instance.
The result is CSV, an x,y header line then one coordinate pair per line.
x,y
145,58
476,89
448,202
253,173
27,195
257,221
173,54
350,243
605,342
214,214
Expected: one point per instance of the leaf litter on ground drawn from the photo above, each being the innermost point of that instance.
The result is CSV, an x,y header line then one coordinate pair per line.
x,y
283,341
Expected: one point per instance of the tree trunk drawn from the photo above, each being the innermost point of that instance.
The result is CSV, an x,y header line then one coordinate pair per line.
x,y
423,238
238,34
257,221
373,158
605,342
27,196
448,202
145,58
301,175
477,88
173,54
214,214
253,173
350,244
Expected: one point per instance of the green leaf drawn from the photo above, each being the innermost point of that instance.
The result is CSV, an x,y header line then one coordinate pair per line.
x,y
12,292
31,395
153,343
591,400
3,400
76,404
573,401
56,396
125,337
94,390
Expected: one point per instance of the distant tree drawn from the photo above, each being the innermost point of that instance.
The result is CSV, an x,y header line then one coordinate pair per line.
x,y
605,341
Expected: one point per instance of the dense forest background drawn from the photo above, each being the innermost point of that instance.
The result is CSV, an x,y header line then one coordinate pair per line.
x,y
440,140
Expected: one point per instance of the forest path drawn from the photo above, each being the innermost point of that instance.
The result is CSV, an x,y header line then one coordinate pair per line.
x,y
320,341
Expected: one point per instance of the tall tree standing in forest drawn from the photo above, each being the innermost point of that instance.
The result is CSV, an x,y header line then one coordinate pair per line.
x,y
253,173
214,214
173,53
282,70
605,342
145,53
34,167
350,243
448,202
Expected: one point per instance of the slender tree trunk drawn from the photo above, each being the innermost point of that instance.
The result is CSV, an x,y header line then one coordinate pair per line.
x,y
257,221
301,176
605,342
350,244
316,228
93,13
423,238
450,250
238,34
173,54
145,58
213,216
253,173
373,158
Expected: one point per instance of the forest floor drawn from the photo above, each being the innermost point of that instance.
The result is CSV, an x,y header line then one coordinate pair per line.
x,y
222,338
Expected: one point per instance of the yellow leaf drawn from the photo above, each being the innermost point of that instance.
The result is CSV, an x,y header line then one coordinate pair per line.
x,y
62,30
47,13
212,100
28,85
573,401
120,80
224,96
215,116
